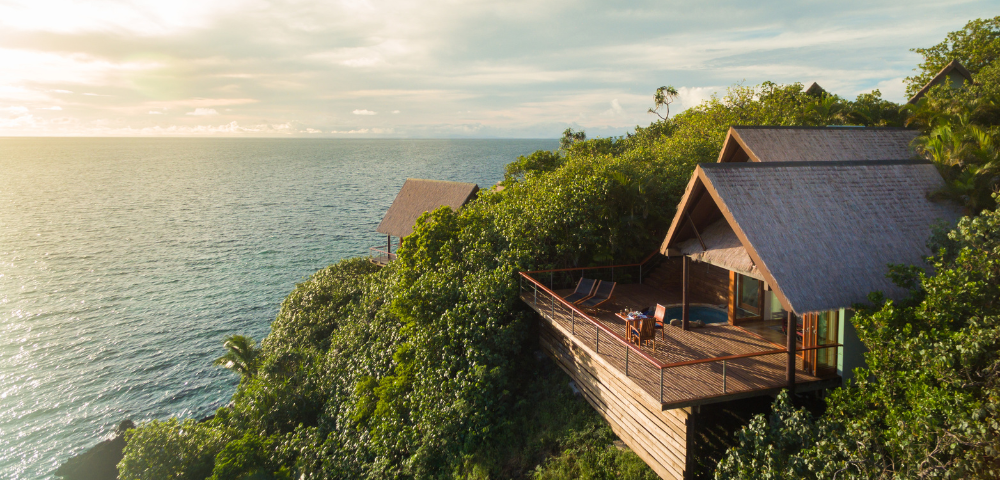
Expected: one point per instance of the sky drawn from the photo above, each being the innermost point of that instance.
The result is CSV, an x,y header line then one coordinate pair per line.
x,y
430,68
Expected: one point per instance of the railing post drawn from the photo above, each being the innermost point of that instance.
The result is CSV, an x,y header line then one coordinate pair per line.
x,y
723,376
640,274
553,297
534,302
612,274
551,274
597,343
572,319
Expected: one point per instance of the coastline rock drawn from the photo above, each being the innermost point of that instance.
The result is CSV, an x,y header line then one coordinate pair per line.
x,y
100,462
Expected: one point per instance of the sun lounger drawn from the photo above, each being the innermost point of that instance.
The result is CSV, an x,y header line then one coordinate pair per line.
x,y
602,293
584,290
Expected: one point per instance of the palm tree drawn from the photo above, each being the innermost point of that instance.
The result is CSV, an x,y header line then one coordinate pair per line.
x,y
241,355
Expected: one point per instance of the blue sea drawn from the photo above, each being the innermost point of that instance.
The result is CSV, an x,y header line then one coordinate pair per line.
x,y
125,262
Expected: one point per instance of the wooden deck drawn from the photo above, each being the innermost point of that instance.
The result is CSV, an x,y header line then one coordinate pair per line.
x,y
681,386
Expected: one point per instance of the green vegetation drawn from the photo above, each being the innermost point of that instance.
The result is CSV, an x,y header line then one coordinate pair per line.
x,y
427,368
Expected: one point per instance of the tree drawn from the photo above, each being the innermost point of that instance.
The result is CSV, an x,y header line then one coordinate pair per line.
x,y
663,98
570,137
975,46
171,449
241,356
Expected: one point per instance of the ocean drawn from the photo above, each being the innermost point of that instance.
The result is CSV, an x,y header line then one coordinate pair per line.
x,y
125,262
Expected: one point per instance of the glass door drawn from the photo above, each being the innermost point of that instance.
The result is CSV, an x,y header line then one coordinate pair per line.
x,y
820,329
749,294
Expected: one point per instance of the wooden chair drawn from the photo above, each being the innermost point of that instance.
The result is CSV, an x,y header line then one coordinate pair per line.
x,y
584,290
645,333
602,293
658,319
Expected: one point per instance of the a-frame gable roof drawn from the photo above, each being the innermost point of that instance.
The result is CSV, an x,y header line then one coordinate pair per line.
x,y
953,70
821,234
816,144
420,195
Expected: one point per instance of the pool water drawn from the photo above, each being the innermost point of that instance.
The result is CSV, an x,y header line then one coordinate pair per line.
x,y
705,314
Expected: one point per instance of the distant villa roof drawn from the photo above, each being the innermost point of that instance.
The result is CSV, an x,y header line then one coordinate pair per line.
x,y
816,144
953,71
418,196
815,90
821,234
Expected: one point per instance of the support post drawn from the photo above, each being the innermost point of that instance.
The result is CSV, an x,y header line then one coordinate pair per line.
x,y
388,243
790,367
685,304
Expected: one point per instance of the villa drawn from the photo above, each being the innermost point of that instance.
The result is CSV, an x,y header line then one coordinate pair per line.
x,y
415,198
770,248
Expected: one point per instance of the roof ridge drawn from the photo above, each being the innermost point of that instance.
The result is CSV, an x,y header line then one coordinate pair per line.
x,y
825,127
441,181
843,163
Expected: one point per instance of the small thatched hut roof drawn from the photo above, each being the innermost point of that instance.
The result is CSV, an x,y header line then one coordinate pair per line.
x,y
816,144
954,72
821,234
815,90
420,195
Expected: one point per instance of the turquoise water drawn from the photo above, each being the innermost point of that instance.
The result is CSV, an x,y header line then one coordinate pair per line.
x,y
705,314
124,262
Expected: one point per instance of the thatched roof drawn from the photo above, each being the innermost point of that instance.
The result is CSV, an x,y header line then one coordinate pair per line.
x,y
816,144
954,71
821,234
722,249
418,196
815,90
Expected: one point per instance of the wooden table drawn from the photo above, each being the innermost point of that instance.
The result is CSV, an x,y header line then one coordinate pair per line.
x,y
631,323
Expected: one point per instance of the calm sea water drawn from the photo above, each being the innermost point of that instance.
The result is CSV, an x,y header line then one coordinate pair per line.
x,y
125,262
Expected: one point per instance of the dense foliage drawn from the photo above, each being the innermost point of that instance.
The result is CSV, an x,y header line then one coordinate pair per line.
x,y
427,367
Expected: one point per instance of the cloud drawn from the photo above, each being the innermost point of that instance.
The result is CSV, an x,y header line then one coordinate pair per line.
x,y
15,110
55,107
154,112
362,131
615,110
469,68
689,97
313,130
198,112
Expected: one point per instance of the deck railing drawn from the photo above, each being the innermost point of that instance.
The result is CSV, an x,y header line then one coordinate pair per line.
x,y
732,373
380,255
